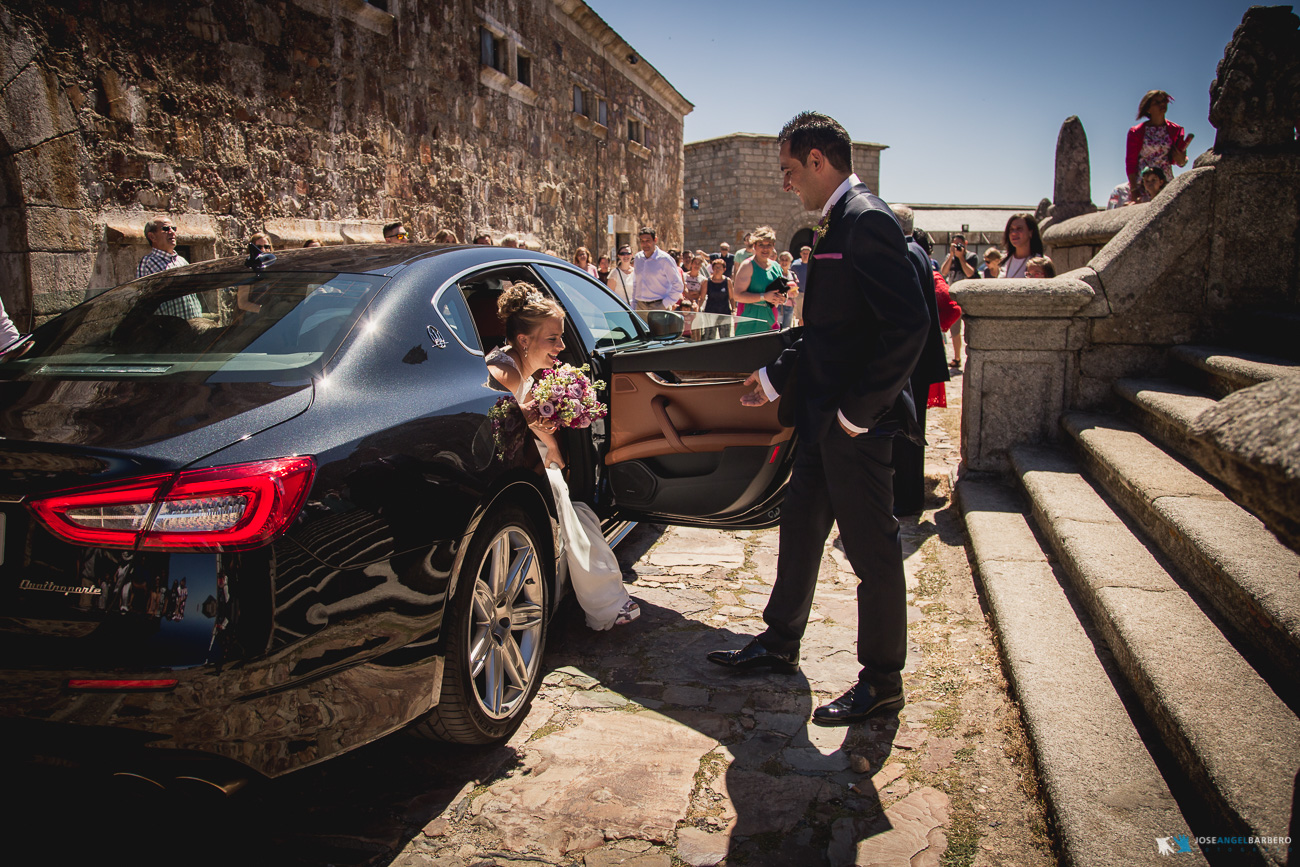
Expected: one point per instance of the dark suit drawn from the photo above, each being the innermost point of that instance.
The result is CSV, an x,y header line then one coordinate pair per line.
x,y
865,323
909,457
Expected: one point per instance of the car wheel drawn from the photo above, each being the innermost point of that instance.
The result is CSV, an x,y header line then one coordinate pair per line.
x,y
496,634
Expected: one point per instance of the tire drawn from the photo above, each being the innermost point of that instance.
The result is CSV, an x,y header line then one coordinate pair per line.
x,y
496,635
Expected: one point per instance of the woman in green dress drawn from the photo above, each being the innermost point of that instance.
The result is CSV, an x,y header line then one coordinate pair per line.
x,y
753,285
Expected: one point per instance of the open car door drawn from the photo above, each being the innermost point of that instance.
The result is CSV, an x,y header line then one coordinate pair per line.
x,y
678,446
682,448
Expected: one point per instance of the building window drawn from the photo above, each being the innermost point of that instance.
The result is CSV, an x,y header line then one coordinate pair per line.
x,y
580,102
602,112
523,69
490,49
635,132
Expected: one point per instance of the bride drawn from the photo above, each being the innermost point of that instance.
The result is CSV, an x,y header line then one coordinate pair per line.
x,y
535,328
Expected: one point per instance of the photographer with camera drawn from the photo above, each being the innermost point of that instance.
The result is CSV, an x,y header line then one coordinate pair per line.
x,y
966,263
958,265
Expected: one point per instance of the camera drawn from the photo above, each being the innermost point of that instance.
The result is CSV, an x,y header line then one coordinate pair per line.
x,y
961,248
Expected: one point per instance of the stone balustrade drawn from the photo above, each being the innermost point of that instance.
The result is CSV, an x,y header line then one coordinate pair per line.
x,y
1024,339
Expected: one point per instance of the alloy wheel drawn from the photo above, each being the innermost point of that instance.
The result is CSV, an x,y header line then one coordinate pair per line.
x,y
505,623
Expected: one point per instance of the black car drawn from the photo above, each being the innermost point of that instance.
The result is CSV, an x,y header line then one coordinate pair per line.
x,y
258,513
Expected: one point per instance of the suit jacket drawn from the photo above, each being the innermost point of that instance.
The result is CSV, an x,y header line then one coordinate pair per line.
x,y
865,323
933,364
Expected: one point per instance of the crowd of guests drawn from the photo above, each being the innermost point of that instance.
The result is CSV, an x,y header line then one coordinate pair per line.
x,y
762,288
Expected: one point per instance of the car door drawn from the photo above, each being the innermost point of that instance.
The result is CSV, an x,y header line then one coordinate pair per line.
x,y
680,448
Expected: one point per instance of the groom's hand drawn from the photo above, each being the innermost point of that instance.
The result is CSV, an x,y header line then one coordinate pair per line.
x,y
757,397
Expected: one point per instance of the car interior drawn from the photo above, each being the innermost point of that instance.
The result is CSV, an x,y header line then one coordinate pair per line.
x,y
482,291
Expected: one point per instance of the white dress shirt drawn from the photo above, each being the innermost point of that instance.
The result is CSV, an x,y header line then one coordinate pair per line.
x,y
657,278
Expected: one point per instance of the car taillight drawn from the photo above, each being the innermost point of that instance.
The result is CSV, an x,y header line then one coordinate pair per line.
x,y
226,508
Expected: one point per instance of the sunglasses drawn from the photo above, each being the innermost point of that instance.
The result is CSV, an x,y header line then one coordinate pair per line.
x,y
402,235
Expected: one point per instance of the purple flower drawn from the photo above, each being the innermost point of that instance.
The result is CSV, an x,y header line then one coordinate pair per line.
x,y
546,408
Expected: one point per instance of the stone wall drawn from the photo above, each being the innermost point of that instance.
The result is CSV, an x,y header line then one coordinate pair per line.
x,y
317,118
737,181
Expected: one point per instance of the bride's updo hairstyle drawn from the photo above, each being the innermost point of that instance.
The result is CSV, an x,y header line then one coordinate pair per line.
x,y
523,308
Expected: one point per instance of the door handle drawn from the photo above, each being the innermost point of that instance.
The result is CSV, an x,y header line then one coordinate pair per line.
x,y
659,405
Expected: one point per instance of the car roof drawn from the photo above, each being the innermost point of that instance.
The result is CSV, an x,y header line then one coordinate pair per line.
x,y
379,259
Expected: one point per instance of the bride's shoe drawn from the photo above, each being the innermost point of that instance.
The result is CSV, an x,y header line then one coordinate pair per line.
x,y
629,612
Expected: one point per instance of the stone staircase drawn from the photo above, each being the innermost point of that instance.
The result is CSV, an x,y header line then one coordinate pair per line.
x,y
1150,618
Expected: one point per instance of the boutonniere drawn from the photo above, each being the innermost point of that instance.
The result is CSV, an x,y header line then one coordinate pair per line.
x,y
822,228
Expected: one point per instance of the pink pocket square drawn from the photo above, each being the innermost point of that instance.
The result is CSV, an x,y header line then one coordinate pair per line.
x,y
828,255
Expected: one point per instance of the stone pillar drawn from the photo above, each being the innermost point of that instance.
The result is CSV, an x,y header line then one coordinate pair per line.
x,y
1072,190
1023,340
1255,98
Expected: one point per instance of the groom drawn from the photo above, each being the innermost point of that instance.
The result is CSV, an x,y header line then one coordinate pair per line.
x,y
865,322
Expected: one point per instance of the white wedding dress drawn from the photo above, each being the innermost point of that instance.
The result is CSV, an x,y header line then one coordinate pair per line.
x,y
594,572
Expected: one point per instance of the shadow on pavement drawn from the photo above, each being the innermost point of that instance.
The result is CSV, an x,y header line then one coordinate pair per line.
x,y
783,814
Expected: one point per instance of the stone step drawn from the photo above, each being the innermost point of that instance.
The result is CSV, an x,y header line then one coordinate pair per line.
x,y
1166,411
1104,790
1228,554
1249,441
1221,371
1235,739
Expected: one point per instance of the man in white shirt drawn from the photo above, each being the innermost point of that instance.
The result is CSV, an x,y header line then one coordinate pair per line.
x,y
658,284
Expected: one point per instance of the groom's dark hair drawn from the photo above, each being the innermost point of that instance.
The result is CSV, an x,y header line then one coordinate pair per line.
x,y
811,129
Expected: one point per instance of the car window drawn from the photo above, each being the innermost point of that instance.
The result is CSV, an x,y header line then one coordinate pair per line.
x,y
606,321
455,312
241,326
482,291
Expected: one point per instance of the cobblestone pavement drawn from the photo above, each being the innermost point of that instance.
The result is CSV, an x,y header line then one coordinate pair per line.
x,y
638,752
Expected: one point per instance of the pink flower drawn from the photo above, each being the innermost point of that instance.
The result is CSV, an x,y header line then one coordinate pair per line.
x,y
546,408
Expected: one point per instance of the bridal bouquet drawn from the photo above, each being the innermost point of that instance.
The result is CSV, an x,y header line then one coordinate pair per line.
x,y
566,396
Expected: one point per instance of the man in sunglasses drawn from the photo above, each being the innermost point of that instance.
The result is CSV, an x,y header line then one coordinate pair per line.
x,y
395,233
161,234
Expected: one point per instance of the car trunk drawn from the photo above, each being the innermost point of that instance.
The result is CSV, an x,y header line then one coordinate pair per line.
x,y
73,608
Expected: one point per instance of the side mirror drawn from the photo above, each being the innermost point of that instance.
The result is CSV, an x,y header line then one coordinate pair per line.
x,y
665,324
257,260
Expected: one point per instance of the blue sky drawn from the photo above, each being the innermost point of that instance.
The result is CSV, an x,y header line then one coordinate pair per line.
x,y
968,97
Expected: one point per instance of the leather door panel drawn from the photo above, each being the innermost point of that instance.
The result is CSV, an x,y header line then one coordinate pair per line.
x,y
650,417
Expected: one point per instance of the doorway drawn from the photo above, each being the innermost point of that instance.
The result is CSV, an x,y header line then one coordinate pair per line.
x,y
801,238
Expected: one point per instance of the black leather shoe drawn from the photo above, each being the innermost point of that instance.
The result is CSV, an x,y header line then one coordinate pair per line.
x,y
755,657
856,705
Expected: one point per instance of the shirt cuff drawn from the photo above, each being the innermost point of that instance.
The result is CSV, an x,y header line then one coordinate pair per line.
x,y
772,393
850,425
